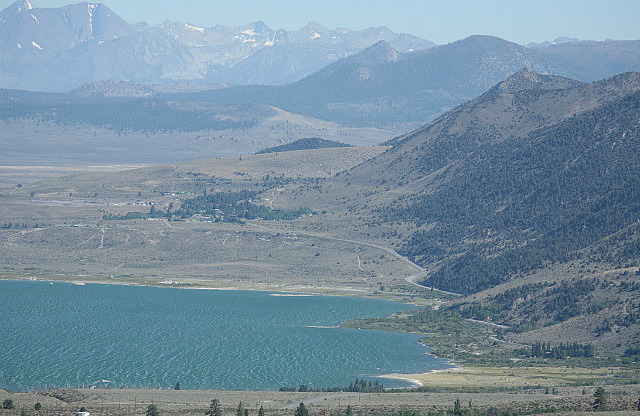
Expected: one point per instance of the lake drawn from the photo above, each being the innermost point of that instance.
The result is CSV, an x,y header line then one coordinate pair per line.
x,y
66,335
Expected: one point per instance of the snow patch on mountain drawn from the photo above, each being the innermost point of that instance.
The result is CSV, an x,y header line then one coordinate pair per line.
x,y
168,52
196,28
91,8
26,5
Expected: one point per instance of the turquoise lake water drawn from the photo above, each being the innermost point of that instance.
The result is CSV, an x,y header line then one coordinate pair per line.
x,y
65,335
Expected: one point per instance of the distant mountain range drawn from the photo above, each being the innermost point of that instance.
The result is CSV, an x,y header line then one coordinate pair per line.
x,y
381,86
58,49
377,87
388,84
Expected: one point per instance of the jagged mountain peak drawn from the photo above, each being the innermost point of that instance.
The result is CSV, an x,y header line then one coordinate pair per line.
x,y
59,48
90,4
260,27
90,7
556,41
26,29
20,6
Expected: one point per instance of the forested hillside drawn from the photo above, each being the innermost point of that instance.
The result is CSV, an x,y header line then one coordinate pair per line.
x,y
526,200
538,171
522,203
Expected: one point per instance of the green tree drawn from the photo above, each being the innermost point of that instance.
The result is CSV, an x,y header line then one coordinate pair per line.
x,y
152,410
8,404
301,410
457,408
37,406
215,409
261,411
600,398
240,410
177,386
349,411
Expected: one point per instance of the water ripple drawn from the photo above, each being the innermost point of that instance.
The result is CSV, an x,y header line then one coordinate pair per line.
x,y
69,335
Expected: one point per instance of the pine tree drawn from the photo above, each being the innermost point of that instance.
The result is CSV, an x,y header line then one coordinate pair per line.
x,y
261,411
600,398
152,410
215,409
457,408
301,410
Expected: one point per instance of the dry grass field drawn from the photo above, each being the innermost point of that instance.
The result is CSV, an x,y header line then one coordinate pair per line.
x,y
55,229
39,143
563,400
509,377
207,254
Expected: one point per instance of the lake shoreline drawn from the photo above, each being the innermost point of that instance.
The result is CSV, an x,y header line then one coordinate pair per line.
x,y
415,378
411,360
198,284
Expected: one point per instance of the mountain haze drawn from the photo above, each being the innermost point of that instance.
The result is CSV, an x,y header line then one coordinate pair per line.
x,y
381,86
24,27
58,49
591,61
377,87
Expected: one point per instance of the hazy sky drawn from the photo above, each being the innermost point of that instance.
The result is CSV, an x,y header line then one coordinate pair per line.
x,y
441,21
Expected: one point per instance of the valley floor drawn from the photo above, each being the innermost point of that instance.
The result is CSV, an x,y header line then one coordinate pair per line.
x,y
64,229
